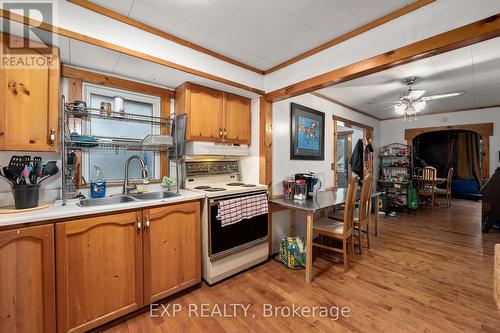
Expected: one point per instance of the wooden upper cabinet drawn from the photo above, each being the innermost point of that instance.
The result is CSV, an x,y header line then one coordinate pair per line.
x,y
214,115
203,107
171,250
27,291
99,270
29,99
237,121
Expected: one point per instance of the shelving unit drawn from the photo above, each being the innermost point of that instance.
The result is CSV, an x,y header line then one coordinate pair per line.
x,y
68,143
395,175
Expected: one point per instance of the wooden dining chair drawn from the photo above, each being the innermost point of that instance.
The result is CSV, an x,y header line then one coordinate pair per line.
x,y
427,184
362,215
446,191
329,229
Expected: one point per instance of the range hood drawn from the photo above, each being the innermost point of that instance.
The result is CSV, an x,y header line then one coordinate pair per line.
x,y
198,148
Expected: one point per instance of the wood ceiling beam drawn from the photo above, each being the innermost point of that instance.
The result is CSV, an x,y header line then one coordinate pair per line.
x,y
343,105
5,14
369,26
127,20
451,40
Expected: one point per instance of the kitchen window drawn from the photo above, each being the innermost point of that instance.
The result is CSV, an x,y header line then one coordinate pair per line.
x,y
112,162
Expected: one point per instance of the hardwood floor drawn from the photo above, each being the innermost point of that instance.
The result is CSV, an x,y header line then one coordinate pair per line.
x,y
430,272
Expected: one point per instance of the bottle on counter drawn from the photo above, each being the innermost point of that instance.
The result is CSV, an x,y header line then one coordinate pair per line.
x,y
97,184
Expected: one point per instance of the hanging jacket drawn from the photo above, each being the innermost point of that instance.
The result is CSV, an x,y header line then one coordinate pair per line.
x,y
356,160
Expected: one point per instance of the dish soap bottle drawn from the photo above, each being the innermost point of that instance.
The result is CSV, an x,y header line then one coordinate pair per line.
x,y
98,185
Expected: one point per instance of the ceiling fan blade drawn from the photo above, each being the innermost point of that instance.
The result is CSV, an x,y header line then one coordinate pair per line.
x,y
415,94
394,102
439,96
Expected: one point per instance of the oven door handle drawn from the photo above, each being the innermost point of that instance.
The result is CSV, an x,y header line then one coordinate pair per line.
x,y
215,202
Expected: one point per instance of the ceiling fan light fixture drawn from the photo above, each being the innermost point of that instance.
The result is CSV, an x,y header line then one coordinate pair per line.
x,y
400,108
419,105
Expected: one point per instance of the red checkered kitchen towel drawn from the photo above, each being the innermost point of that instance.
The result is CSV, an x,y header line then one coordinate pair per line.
x,y
235,210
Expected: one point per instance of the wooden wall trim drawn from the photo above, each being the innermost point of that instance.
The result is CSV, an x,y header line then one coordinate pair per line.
x,y
265,144
5,14
369,26
451,40
484,129
334,101
127,20
114,82
353,123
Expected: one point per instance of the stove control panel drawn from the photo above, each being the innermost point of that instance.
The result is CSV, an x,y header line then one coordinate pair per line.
x,y
199,168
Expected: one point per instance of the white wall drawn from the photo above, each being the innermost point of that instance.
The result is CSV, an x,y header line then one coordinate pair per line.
x,y
284,167
393,130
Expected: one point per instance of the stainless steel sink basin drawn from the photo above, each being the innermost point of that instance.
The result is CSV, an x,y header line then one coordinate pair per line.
x,y
105,201
155,195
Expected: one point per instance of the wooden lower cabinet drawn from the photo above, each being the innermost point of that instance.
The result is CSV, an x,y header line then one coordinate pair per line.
x,y
111,265
27,293
171,250
99,270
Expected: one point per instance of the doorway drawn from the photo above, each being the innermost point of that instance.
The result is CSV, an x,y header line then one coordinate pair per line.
x,y
346,134
344,148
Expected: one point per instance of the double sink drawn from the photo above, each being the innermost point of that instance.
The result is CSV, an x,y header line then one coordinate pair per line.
x,y
122,198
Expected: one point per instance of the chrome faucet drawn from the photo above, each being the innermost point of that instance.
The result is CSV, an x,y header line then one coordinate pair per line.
x,y
126,187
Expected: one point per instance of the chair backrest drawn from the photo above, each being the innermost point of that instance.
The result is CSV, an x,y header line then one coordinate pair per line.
x,y
352,189
427,179
449,178
366,198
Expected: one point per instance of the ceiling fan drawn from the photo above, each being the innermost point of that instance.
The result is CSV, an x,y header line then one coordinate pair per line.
x,y
414,101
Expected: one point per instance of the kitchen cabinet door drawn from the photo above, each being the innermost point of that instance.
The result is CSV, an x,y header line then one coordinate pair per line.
x,y
237,121
99,270
29,103
204,109
27,291
171,250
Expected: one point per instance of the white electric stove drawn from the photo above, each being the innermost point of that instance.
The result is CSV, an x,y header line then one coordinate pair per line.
x,y
226,250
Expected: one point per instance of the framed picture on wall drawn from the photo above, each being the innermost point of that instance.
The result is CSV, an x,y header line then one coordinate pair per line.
x,y
307,133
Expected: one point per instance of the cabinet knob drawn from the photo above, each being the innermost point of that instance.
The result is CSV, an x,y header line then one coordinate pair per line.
x,y
52,136
139,225
147,222
2,133
32,141
220,133
225,133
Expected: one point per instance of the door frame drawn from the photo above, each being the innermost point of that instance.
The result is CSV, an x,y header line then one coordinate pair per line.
x,y
367,135
348,135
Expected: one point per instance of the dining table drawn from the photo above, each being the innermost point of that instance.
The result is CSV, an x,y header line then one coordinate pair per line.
x,y
439,180
321,201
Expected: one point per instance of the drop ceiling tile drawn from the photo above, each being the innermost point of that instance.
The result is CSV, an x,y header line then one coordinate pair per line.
x,y
120,6
231,6
236,32
317,12
491,45
221,46
136,68
157,18
202,17
368,10
323,33
291,5
92,57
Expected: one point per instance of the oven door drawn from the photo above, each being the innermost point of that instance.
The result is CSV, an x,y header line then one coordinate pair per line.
x,y
224,241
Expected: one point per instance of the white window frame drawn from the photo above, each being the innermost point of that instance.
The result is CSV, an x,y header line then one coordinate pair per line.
x,y
88,89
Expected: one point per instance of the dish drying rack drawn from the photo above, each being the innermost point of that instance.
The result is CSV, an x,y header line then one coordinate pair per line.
x,y
71,111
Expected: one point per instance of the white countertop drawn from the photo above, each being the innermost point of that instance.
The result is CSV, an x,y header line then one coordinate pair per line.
x,y
56,211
